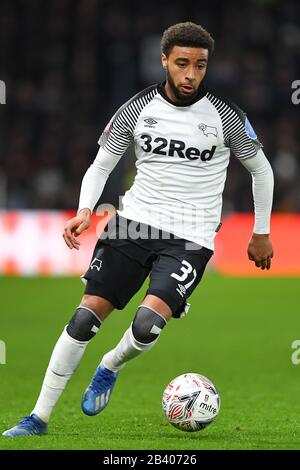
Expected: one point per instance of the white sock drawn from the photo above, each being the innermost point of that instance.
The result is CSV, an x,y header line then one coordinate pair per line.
x,y
64,361
126,349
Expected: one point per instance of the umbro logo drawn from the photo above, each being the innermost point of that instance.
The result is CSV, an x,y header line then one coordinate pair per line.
x,y
181,289
150,122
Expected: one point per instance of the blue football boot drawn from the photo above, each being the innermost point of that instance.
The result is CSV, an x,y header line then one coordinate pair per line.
x,y
28,426
96,396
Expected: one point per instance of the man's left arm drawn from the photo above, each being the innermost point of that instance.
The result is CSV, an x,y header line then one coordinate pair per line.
x,y
260,249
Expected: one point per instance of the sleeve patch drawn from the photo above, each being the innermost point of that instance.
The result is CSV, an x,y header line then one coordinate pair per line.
x,y
249,130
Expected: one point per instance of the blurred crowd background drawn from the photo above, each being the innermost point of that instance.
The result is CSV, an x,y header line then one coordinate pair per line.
x,y
69,64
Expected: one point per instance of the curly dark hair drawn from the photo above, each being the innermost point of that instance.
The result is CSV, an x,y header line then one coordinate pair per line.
x,y
186,34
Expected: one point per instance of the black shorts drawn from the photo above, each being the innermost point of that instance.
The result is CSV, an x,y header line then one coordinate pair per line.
x,y
128,252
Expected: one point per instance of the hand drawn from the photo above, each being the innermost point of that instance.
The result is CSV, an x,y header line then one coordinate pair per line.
x,y
75,227
260,250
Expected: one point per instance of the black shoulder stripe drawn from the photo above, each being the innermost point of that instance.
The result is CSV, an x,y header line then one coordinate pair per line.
x,y
119,133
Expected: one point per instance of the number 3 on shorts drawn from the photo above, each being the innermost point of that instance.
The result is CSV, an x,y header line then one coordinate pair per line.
x,y
186,269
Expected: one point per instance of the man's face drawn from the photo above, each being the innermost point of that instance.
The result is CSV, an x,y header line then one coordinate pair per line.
x,y
186,68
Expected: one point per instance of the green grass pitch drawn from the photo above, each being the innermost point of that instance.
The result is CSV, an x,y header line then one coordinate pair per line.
x,y
238,332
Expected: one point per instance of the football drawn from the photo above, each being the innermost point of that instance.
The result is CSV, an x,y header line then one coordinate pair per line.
x,y
191,402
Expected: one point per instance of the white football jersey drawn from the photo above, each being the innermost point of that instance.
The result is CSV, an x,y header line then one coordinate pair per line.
x,y
182,156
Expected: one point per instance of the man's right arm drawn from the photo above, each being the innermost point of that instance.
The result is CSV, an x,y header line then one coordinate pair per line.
x,y
92,187
114,141
95,179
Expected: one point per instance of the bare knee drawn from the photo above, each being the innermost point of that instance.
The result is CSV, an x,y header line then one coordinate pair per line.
x,y
158,305
98,305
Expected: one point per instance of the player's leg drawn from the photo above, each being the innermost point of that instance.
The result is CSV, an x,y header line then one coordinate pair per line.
x,y
69,350
175,273
151,317
130,265
64,360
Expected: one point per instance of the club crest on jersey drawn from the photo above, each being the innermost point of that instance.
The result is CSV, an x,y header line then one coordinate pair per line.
x,y
96,263
208,130
150,122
